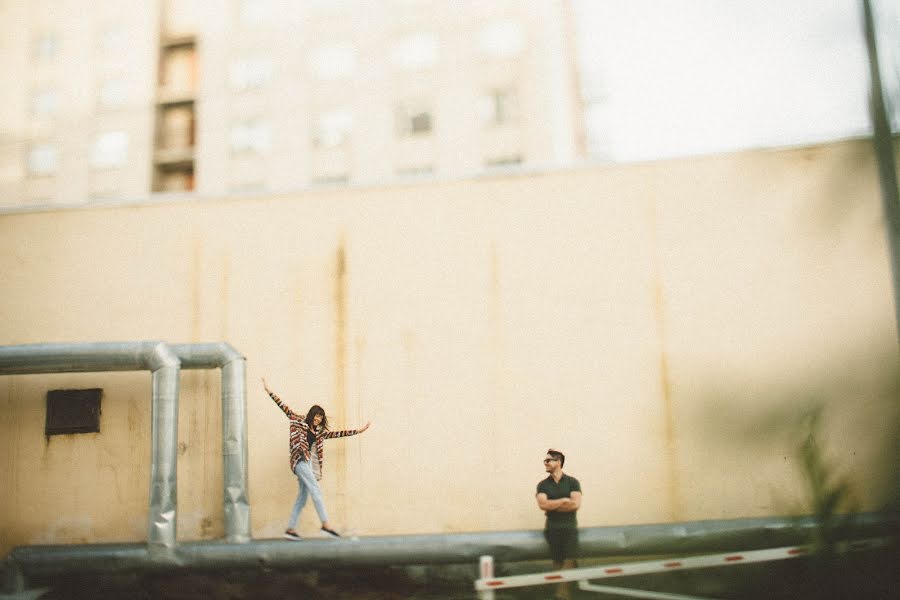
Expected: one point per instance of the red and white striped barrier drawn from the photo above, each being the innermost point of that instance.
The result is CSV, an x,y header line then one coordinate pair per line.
x,y
488,583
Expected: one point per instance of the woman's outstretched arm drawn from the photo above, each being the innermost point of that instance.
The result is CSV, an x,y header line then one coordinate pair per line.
x,y
284,407
346,432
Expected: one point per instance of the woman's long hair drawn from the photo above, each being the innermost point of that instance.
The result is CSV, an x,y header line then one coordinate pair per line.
x,y
311,414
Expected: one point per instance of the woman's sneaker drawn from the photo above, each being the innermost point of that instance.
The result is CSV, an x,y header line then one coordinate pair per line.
x,y
292,535
330,533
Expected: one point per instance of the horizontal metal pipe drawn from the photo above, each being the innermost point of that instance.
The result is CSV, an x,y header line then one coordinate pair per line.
x,y
205,356
507,546
85,358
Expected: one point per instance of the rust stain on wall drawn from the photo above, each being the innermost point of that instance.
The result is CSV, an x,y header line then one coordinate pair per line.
x,y
664,375
206,528
340,368
340,330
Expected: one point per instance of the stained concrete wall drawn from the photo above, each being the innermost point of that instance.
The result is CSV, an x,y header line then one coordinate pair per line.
x,y
667,325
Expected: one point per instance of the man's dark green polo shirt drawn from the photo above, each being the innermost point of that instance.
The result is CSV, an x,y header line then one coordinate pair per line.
x,y
555,491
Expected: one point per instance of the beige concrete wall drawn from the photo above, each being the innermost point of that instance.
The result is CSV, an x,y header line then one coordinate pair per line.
x,y
664,324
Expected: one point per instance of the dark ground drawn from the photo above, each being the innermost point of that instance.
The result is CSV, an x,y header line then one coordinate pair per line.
x,y
859,576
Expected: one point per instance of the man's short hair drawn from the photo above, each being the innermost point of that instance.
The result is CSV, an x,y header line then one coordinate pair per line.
x,y
557,455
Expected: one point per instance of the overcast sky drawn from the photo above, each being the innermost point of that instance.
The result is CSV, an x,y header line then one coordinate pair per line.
x,y
679,77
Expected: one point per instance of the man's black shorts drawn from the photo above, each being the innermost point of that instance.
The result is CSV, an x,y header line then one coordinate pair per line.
x,y
563,543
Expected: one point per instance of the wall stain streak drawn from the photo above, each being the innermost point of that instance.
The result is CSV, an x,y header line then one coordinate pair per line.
x,y
340,331
340,368
673,485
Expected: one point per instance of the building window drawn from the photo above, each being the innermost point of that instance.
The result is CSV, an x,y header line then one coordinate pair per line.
x,y
46,47
499,107
174,178
502,40
333,129
179,70
73,411
416,52
250,137
335,61
250,73
413,119
44,104
176,127
43,159
110,150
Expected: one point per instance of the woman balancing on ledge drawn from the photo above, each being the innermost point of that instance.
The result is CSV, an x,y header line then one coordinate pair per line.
x,y
308,433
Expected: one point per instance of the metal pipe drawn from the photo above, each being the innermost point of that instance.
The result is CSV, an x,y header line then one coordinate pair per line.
x,y
85,358
164,455
507,546
234,429
164,361
165,367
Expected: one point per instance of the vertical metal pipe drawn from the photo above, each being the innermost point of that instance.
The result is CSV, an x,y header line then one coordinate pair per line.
x,y
234,451
161,529
234,429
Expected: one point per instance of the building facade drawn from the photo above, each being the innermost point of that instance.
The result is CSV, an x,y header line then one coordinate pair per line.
x,y
132,98
673,327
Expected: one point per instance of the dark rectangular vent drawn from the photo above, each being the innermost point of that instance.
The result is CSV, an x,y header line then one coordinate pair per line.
x,y
73,411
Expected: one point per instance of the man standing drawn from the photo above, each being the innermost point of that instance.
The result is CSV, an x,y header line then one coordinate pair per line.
x,y
559,496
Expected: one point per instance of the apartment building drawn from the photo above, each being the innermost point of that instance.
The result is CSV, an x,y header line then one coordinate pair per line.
x,y
120,99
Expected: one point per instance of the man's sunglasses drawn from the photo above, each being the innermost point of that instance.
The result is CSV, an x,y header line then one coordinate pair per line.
x,y
549,460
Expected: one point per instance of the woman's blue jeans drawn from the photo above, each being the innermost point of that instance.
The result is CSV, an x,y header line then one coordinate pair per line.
x,y
308,487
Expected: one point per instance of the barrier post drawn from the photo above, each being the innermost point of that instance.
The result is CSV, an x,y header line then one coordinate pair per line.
x,y
486,566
